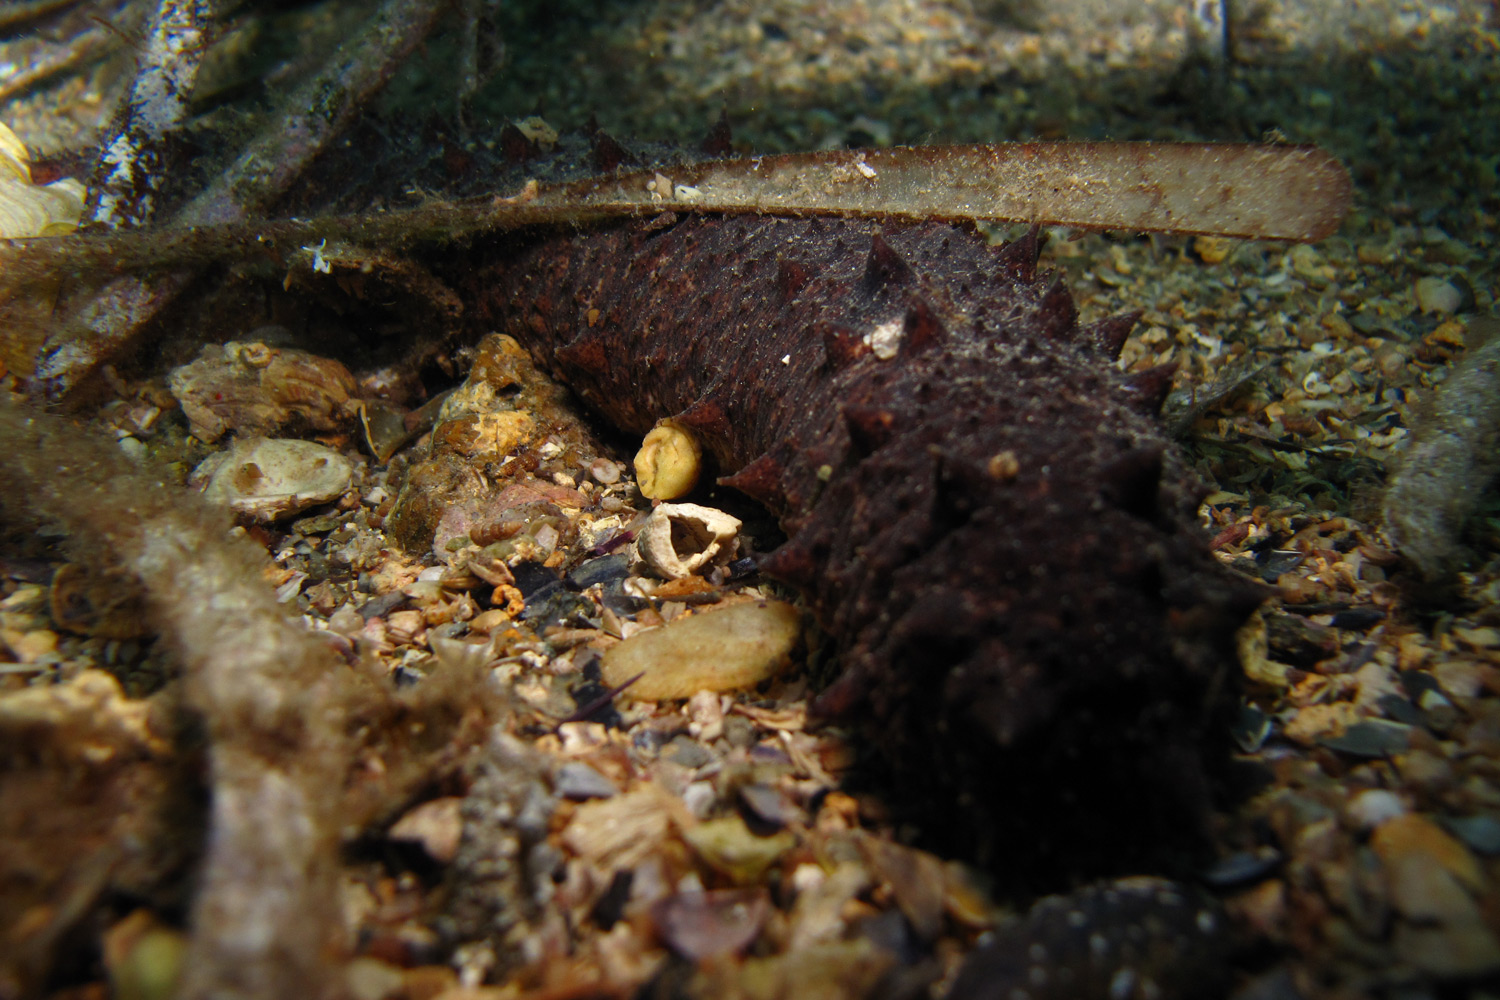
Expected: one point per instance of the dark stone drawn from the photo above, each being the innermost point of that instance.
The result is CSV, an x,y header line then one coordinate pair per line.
x,y
1274,562
554,605
1399,709
605,569
378,607
611,905
1371,738
1295,640
1358,619
1242,868
687,751
577,781
533,578
1482,833
1104,941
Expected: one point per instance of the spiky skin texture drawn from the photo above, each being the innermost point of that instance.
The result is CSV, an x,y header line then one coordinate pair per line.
x,y
990,524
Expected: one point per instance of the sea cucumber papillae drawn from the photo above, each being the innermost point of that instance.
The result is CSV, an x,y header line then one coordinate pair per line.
x,y
982,510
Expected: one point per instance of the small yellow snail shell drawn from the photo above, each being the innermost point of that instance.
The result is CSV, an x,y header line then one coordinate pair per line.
x,y
668,463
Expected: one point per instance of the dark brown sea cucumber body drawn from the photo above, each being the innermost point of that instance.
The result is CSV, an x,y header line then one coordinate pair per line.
x,y
990,524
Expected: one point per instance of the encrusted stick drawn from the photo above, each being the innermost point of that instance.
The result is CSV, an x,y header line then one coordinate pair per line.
x,y
1255,191
103,323
1229,189
132,164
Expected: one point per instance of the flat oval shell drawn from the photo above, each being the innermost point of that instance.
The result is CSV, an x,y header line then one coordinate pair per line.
x,y
270,478
723,650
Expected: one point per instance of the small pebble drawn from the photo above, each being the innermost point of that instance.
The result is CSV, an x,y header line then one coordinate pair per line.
x,y
371,979
1461,680
769,805
488,621
700,798
143,958
605,471
346,621
1212,249
1371,808
1251,728
1480,833
437,825
134,447
728,846
707,715
1414,836
1308,263
705,925
688,752
1371,738
1243,867
1435,295
578,781
383,604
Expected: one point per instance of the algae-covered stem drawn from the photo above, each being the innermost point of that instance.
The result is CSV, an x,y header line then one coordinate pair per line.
x,y
101,322
287,719
1222,189
1226,189
133,163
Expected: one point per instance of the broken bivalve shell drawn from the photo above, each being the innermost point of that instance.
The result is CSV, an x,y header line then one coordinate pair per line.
x,y
28,209
271,478
31,210
704,925
679,539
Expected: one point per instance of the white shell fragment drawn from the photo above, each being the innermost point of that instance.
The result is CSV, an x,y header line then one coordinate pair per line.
x,y
679,539
271,478
884,340
15,162
723,650
27,209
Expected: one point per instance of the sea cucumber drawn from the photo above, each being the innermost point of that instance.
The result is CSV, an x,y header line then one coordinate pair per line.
x,y
982,511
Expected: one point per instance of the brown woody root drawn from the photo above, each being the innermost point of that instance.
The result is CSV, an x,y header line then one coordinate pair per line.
x,y
103,321
1453,456
287,719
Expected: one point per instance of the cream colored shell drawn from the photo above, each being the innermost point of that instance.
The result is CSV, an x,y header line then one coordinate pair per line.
x,y
668,463
271,478
679,539
721,650
27,209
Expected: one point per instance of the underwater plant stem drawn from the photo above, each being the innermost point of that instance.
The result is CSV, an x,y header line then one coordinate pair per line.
x,y
1247,190
99,326
41,57
1232,189
133,162
265,920
314,113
